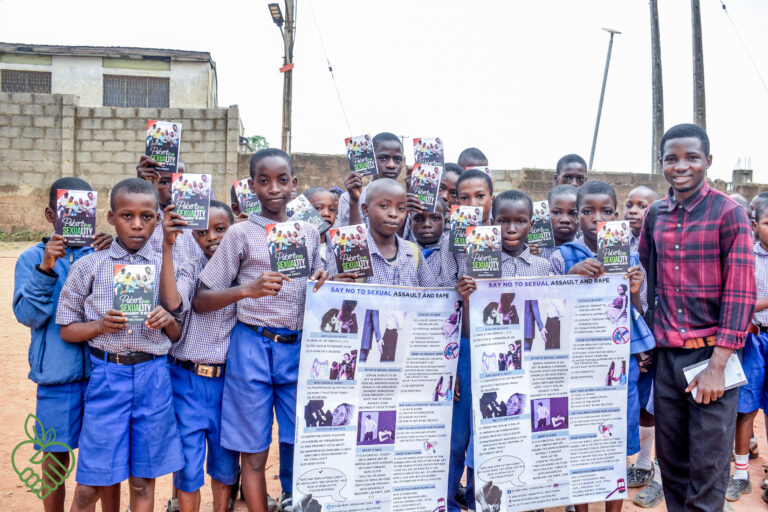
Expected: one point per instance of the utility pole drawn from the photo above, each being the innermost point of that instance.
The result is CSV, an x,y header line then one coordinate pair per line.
x,y
657,90
289,36
602,95
699,102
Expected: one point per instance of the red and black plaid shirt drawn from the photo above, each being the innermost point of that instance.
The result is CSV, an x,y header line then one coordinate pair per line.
x,y
705,268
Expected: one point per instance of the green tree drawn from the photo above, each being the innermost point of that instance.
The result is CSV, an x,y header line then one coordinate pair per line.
x,y
257,142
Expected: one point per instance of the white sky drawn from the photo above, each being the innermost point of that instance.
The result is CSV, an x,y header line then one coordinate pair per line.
x,y
520,80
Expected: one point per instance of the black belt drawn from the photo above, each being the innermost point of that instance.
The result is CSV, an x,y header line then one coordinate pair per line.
x,y
201,370
762,328
277,338
128,358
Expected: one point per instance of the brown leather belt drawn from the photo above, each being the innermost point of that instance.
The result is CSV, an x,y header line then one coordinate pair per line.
x,y
709,341
199,369
128,358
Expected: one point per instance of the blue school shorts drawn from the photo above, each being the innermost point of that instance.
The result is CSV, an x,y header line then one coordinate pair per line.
x,y
129,427
462,451
197,403
754,394
261,375
633,407
60,407
644,387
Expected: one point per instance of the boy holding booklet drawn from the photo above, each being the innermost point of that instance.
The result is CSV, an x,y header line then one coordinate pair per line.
x,y
197,364
59,369
428,228
129,426
596,202
263,358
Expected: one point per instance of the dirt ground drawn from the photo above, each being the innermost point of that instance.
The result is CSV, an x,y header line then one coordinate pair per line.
x,y
18,393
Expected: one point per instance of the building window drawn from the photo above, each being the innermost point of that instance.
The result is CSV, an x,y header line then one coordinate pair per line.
x,y
135,91
25,81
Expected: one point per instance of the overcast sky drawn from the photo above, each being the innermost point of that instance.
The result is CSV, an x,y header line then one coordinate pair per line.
x,y
520,80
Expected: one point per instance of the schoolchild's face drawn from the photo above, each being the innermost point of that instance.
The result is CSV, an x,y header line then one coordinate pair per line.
x,y
596,208
634,211
475,192
389,159
760,228
386,210
325,204
447,190
572,173
134,217
684,164
514,219
163,187
209,239
564,217
272,182
428,226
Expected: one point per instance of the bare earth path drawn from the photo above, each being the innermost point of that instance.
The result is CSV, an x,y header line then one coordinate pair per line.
x,y
17,393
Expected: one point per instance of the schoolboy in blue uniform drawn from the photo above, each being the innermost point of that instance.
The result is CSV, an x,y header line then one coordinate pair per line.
x,y
428,229
596,202
59,369
263,359
198,364
129,427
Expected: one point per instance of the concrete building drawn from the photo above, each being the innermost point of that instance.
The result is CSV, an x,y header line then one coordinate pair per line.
x,y
111,76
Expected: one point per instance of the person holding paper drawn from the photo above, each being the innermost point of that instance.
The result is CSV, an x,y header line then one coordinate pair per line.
x,y
700,243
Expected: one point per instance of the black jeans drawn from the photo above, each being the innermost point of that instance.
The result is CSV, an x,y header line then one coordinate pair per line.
x,y
693,441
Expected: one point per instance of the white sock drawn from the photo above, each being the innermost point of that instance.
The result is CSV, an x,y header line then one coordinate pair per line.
x,y
742,467
646,446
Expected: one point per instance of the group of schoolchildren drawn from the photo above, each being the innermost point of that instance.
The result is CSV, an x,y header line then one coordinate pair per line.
x,y
202,378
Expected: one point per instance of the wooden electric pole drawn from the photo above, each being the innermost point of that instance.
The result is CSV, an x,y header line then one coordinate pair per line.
x,y
699,102
657,90
289,39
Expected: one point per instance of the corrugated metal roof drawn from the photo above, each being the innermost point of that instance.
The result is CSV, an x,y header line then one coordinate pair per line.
x,y
118,52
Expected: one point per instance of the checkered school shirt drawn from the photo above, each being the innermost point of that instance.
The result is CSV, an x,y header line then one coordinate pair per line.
x,y
184,249
402,273
433,259
205,336
634,243
547,252
342,218
243,256
88,294
761,277
705,266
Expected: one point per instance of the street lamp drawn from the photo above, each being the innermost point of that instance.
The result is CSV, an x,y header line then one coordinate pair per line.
x,y
602,95
288,34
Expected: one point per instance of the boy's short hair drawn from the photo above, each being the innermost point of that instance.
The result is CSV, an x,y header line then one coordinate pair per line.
x,y
569,159
133,186
439,203
233,195
68,183
759,209
685,130
474,174
223,206
375,185
315,190
471,154
454,168
595,187
385,137
512,196
562,190
266,153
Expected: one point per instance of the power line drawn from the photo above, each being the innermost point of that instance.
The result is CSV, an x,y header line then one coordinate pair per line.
x,y
330,68
744,45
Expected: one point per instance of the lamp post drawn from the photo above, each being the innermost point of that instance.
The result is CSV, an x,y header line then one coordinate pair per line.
x,y
602,95
288,32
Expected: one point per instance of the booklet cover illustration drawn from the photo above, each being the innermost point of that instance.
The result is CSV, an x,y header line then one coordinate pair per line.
x,y
350,248
76,216
428,151
163,141
461,218
425,182
301,209
191,194
541,231
288,249
484,252
613,245
247,200
360,154
134,287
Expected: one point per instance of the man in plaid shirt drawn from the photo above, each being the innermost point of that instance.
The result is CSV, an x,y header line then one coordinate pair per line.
x,y
705,284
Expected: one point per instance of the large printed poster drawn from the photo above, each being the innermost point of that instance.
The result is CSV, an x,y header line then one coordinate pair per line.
x,y
550,358
375,398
